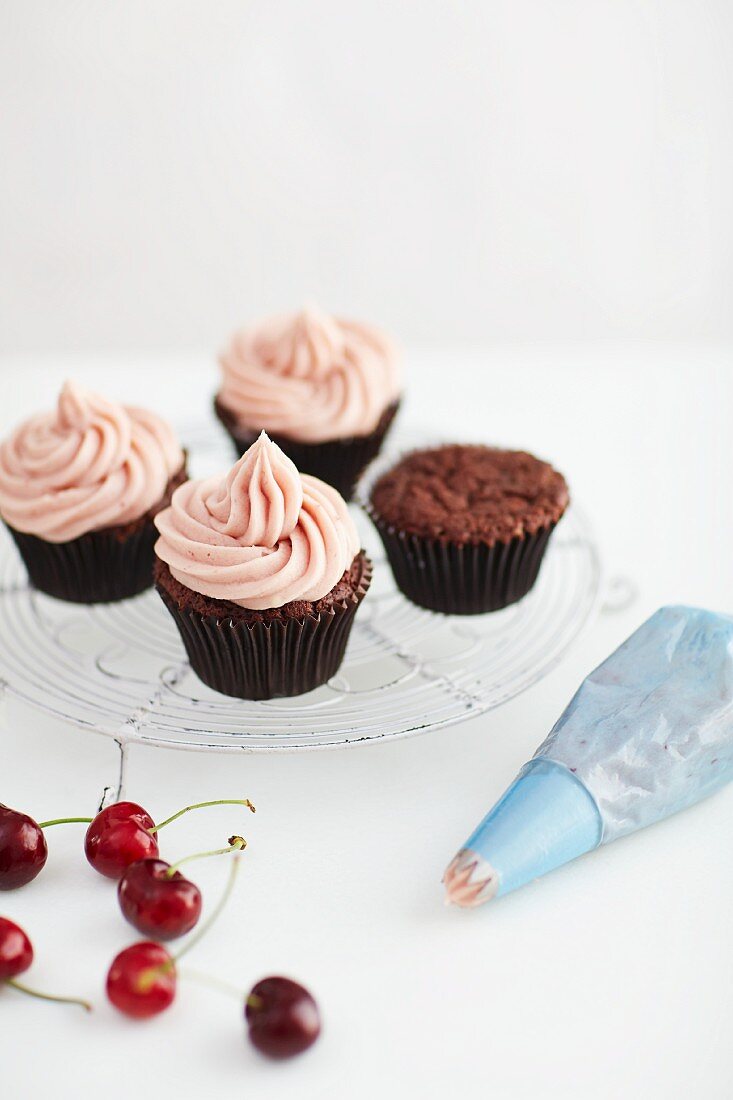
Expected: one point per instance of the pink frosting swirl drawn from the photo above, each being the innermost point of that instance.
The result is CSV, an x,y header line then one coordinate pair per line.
x,y
261,537
88,464
309,376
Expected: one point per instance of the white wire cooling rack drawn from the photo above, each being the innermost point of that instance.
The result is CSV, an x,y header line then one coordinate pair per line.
x,y
121,670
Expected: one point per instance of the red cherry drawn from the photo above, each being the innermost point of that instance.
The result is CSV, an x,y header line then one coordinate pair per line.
x,y
16,950
124,833
120,812
16,955
157,903
142,980
118,836
282,1017
23,851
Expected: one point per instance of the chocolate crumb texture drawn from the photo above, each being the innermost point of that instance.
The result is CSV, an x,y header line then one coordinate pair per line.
x,y
470,494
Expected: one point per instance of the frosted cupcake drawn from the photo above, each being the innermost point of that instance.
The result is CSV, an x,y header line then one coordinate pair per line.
x,y
79,487
326,390
263,573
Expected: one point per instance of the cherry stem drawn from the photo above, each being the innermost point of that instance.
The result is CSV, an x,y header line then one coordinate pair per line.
x,y
216,912
47,996
147,978
65,821
202,805
215,983
236,844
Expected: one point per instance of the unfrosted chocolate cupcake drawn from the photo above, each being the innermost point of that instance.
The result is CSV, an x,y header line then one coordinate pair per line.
x,y
326,390
79,487
466,527
263,575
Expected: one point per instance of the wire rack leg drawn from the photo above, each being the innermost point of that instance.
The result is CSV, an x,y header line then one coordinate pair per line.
x,y
116,791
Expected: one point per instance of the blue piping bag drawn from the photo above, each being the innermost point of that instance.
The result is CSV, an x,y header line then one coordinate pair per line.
x,y
649,733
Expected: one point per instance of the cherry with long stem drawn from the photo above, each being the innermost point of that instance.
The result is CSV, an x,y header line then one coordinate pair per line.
x,y
123,833
16,956
23,848
156,898
282,1016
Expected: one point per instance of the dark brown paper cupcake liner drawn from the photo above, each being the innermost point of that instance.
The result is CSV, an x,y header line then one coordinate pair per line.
x,y
468,579
338,462
99,567
265,660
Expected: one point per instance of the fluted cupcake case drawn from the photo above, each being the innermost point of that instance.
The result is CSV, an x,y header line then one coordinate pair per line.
x,y
338,462
259,658
99,567
462,579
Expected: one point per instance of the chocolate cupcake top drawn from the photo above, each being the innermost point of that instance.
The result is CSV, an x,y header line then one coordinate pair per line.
x,y
88,464
309,376
261,537
470,494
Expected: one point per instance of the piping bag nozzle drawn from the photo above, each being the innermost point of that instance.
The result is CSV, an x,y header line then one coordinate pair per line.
x,y
545,819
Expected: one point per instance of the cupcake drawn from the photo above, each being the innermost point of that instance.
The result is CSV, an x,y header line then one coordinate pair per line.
x,y
263,574
324,389
465,527
79,488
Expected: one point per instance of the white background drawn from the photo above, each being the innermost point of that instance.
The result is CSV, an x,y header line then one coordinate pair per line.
x,y
535,198
457,171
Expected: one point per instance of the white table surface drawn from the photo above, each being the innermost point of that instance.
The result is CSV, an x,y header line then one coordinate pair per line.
x,y
611,978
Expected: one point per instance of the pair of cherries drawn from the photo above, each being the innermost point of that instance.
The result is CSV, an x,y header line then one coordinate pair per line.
x,y
121,843
281,1015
